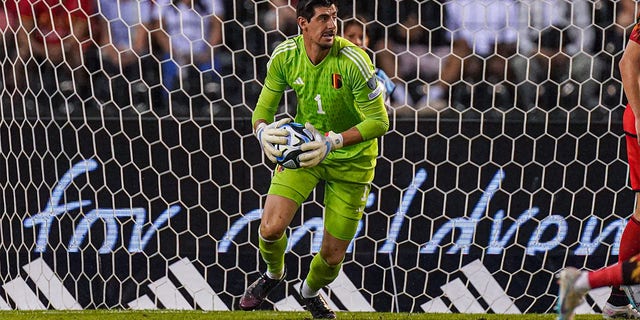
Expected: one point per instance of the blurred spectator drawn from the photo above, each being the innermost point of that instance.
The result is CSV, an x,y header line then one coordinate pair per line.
x,y
354,30
412,53
613,21
266,25
189,31
8,24
483,35
558,41
123,41
52,35
280,17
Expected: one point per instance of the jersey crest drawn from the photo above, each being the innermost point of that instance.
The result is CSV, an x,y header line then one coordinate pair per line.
x,y
337,81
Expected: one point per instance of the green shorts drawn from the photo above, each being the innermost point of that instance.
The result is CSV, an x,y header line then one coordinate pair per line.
x,y
347,186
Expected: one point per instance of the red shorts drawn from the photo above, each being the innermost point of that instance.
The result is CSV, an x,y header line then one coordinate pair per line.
x,y
633,149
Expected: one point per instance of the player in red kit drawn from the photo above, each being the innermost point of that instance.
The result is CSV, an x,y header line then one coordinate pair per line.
x,y
574,283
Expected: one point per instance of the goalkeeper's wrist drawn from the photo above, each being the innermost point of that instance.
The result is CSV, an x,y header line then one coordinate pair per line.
x,y
336,140
259,128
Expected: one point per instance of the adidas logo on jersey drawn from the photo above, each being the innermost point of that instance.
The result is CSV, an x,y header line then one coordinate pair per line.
x,y
299,81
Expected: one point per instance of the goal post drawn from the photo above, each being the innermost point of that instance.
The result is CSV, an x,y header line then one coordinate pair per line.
x,y
126,191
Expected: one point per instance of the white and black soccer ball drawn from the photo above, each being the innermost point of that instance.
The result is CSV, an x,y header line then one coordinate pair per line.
x,y
298,135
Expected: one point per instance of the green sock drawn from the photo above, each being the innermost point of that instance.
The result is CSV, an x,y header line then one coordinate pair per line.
x,y
321,273
272,253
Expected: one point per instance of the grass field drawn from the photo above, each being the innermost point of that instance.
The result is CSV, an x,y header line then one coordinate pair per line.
x,y
258,315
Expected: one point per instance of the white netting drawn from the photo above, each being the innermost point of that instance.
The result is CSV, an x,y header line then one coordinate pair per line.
x,y
132,178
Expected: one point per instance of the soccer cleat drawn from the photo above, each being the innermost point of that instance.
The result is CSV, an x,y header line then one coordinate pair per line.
x,y
568,297
633,293
258,291
318,307
624,312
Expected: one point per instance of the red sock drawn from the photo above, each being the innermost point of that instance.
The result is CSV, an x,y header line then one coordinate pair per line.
x,y
629,247
609,276
630,240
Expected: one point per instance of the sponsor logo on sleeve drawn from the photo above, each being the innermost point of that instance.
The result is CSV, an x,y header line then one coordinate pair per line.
x,y
372,83
375,93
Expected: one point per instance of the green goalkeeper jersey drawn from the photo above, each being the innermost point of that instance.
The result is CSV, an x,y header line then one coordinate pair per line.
x,y
338,93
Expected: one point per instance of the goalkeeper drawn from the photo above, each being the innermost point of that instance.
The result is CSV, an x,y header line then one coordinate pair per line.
x,y
340,101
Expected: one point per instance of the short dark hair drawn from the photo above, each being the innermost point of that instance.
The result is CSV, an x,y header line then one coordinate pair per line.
x,y
306,8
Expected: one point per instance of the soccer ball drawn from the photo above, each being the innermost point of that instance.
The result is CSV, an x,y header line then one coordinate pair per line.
x,y
298,135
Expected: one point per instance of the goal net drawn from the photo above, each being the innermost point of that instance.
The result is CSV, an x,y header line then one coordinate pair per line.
x,y
131,178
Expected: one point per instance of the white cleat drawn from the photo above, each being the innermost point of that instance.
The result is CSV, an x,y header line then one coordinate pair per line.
x,y
568,297
625,312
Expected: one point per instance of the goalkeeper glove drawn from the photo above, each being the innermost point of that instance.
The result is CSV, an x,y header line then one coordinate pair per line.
x,y
318,149
270,135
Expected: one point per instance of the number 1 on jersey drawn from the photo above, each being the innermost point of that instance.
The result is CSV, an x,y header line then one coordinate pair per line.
x,y
319,101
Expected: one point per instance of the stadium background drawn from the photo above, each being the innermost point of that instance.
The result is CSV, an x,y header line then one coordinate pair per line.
x,y
472,209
